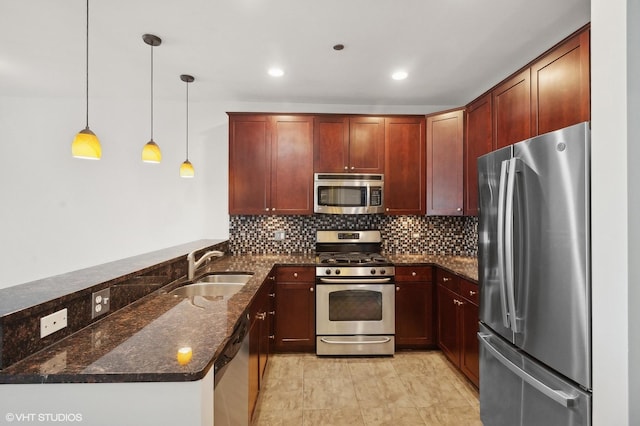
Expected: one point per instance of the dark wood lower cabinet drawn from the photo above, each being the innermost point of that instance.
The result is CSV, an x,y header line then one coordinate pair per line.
x,y
414,307
296,309
457,301
261,314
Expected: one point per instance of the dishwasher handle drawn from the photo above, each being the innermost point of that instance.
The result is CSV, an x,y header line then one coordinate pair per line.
x,y
233,345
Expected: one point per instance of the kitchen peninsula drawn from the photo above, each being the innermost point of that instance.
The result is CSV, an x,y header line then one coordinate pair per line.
x,y
129,357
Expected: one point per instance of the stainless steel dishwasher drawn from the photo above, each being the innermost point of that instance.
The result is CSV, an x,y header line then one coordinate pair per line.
x,y
231,378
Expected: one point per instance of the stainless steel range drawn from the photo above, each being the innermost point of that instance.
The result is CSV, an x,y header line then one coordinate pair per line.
x,y
355,295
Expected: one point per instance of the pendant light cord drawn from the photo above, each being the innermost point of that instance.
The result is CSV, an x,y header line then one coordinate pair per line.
x,y
187,83
151,91
87,67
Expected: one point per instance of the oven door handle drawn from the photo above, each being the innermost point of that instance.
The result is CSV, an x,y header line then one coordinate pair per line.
x,y
355,342
355,280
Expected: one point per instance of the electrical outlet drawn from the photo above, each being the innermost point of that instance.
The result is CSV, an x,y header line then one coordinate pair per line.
x,y
53,322
100,302
278,235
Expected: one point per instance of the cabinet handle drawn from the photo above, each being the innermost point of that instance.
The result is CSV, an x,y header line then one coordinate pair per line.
x,y
272,312
346,167
272,278
459,209
261,315
272,337
387,209
352,167
311,289
472,293
272,295
266,209
273,209
413,274
295,275
445,279
397,288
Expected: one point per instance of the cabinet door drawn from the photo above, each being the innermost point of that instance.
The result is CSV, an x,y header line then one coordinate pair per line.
x,y
295,322
404,174
254,364
560,86
512,110
295,307
331,144
470,349
366,145
444,163
249,164
478,141
448,324
292,165
414,315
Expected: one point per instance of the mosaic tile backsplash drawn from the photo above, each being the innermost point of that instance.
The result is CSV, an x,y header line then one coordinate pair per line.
x,y
451,235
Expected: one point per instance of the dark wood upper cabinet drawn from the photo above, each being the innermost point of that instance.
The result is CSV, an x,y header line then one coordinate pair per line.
x,y
512,109
404,174
249,164
445,134
270,164
478,141
560,86
348,144
331,144
292,165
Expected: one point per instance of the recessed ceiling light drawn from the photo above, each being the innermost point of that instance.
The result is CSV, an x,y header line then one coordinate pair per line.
x,y
276,72
399,75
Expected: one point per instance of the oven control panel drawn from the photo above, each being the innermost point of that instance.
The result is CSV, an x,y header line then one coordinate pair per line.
x,y
355,271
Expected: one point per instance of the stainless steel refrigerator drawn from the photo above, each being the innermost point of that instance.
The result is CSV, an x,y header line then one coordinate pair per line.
x,y
535,281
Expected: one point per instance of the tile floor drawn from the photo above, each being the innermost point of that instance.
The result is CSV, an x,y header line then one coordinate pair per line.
x,y
410,388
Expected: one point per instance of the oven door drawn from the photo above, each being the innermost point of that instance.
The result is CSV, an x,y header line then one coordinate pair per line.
x,y
355,309
355,318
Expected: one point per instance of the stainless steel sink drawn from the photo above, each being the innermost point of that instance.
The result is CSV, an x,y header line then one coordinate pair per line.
x,y
204,289
236,278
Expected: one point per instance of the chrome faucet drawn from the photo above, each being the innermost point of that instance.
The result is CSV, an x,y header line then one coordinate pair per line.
x,y
193,265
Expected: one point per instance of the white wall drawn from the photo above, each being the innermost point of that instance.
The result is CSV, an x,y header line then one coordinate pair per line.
x,y
615,209
60,214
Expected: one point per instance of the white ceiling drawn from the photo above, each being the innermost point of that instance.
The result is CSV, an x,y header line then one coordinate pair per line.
x,y
453,50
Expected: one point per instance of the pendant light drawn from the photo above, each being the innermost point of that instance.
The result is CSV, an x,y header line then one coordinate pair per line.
x,y
186,168
86,144
151,151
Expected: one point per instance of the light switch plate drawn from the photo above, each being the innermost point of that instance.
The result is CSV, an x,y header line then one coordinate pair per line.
x,y
53,322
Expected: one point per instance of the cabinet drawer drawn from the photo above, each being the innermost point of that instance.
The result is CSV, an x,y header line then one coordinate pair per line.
x,y
469,290
414,273
448,280
295,274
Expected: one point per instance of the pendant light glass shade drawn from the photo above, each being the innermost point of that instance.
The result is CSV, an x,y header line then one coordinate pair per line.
x,y
151,151
186,168
86,144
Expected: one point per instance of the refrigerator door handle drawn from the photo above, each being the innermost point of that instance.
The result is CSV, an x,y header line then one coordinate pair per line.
x,y
508,243
502,188
561,397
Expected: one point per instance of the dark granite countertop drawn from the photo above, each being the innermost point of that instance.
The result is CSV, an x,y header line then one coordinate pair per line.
x,y
140,342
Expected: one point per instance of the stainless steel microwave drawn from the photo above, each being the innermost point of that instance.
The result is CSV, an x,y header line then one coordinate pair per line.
x,y
348,193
